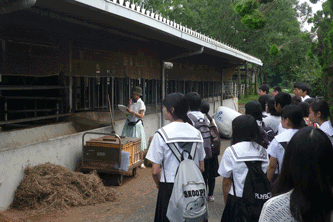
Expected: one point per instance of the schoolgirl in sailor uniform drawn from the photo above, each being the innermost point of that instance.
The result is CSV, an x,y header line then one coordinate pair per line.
x,y
292,120
245,147
133,126
165,164
319,112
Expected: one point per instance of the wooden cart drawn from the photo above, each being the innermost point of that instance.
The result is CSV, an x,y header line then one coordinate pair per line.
x,y
104,154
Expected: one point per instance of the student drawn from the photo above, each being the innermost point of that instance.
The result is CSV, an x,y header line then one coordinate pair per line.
x,y
281,100
305,91
319,112
263,102
295,100
244,147
303,191
253,108
196,116
165,164
133,126
296,89
305,112
276,90
292,121
212,164
263,90
274,118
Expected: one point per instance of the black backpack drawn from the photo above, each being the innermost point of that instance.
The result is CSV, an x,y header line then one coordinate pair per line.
x,y
203,126
267,135
257,190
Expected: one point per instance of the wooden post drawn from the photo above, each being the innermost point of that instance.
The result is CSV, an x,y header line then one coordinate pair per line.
x,y
162,91
239,84
255,81
246,93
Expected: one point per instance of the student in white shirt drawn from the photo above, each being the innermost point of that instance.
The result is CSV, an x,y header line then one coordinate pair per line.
x,y
281,100
245,147
305,90
274,119
303,191
165,164
263,102
319,113
292,121
133,126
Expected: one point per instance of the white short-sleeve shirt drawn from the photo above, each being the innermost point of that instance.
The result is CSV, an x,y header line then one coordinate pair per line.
x,y
136,107
275,148
198,115
160,153
305,98
232,163
327,128
273,122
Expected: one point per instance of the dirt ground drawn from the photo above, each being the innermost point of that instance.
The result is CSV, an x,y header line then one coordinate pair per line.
x,y
136,202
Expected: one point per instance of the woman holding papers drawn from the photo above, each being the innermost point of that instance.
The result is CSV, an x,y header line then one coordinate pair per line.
x,y
134,126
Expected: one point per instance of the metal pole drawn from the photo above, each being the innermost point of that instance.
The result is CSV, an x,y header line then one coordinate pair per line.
x,y
246,93
163,92
239,84
222,87
156,94
112,96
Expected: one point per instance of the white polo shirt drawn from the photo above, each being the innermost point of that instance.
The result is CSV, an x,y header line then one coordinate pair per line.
x,y
136,107
160,153
232,163
276,149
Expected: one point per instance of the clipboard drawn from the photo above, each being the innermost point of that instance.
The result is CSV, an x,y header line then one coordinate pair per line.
x,y
123,110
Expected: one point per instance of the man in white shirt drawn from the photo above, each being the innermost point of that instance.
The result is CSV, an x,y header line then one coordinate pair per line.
x,y
291,120
305,90
281,100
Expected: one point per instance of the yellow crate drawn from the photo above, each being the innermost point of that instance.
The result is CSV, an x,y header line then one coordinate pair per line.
x,y
128,144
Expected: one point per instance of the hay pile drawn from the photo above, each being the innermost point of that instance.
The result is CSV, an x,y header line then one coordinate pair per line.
x,y
48,186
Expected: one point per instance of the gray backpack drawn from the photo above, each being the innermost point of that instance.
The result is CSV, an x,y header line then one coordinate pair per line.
x,y
188,201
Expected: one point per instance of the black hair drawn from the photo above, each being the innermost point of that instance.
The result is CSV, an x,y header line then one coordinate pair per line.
x,y
264,88
309,100
245,128
283,99
271,108
263,100
306,88
204,108
179,103
295,100
277,88
307,171
194,101
305,109
322,107
294,114
253,108
297,85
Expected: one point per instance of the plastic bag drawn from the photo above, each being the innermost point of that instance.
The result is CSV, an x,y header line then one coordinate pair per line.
x,y
223,119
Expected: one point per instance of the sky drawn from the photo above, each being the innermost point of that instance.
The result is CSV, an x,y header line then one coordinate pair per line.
x,y
315,8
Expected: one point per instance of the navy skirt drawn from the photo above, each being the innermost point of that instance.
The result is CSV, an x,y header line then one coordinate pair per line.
x,y
164,194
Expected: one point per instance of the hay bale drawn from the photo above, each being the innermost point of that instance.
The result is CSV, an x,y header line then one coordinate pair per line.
x,y
50,186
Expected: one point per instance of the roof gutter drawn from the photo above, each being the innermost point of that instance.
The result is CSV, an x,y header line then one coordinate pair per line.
x,y
7,6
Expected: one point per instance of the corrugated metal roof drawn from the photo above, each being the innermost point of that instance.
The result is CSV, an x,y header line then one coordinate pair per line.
x,y
138,14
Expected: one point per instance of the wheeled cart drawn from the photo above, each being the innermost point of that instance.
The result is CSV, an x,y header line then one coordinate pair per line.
x,y
104,155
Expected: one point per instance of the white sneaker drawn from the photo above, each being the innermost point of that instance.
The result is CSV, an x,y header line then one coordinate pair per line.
x,y
211,198
142,166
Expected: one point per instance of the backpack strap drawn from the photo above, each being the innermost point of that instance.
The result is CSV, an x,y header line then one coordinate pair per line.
x,y
193,118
